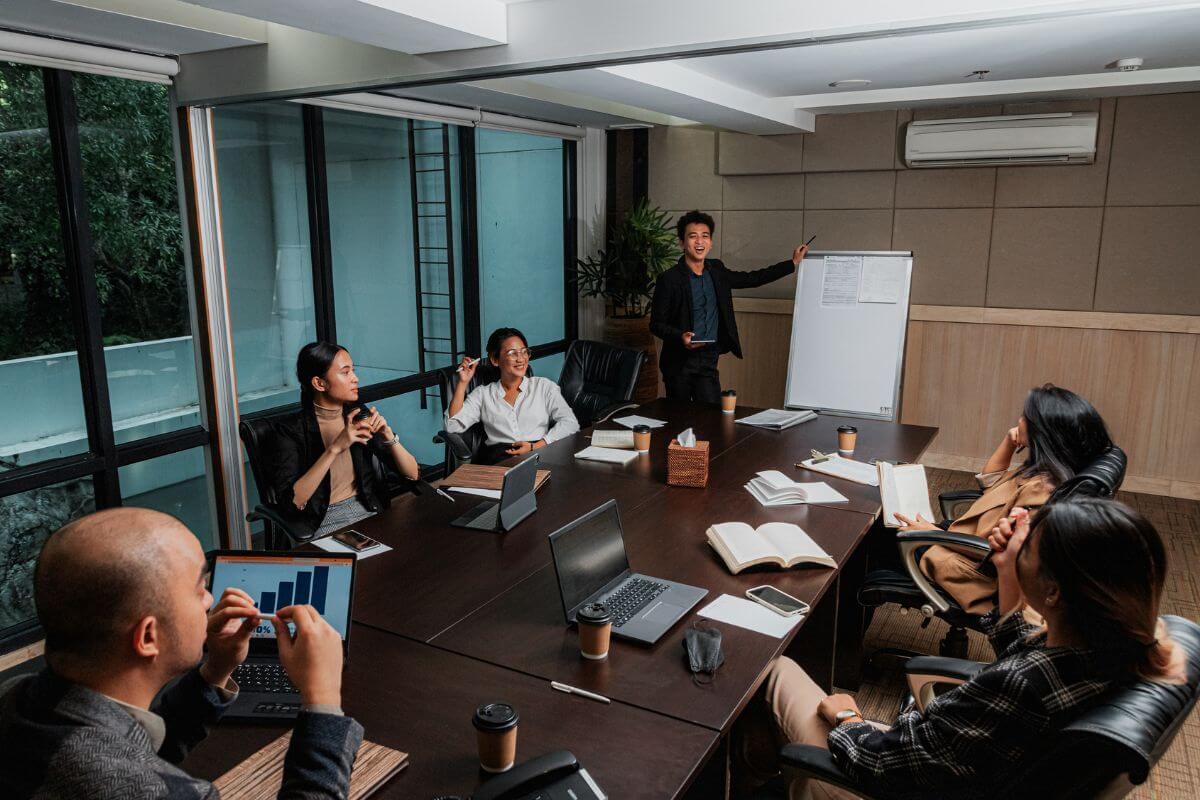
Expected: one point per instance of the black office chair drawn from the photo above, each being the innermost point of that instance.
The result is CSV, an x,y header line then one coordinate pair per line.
x,y
462,448
258,436
1103,753
911,589
598,379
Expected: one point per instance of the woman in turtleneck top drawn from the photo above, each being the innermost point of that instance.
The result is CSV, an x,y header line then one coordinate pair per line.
x,y
323,471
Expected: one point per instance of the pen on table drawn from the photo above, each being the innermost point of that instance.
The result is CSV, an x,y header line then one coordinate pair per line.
x,y
470,363
443,494
562,687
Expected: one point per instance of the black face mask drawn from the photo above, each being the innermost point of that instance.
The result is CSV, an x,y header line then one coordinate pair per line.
x,y
703,649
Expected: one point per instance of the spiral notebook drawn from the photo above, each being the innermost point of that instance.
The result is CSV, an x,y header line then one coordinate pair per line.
x,y
260,776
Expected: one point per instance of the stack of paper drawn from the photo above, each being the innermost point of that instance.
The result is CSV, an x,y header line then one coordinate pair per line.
x,y
634,419
773,488
777,419
609,455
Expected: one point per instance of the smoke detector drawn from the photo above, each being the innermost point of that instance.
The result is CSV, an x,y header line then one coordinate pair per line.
x,y
1127,64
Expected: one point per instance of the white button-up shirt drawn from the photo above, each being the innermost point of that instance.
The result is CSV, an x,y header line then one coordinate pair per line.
x,y
540,412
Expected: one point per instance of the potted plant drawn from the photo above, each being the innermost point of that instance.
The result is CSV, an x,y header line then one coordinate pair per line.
x,y
640,247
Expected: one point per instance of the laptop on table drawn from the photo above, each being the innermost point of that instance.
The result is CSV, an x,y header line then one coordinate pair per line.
x,y
277,580
517,501
592,566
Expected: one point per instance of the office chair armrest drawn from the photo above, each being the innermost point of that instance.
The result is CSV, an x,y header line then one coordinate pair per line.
x,y
926,673
269,515
911,542
605,414
950,500
816,762
456,444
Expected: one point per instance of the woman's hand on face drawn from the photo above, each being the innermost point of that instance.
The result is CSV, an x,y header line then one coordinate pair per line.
x,y
1007,538
1014,439
918,524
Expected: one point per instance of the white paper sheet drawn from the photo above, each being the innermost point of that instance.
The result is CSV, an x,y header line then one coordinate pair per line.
x,y
607,454
749,615
492,494
840,282
329,545
634,419
882,280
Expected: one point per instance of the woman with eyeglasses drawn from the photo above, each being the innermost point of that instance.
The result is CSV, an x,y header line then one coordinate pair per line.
x,y
520,412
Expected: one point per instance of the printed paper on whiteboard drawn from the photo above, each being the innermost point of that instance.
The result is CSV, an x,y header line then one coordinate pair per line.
x,y
882,280
839,285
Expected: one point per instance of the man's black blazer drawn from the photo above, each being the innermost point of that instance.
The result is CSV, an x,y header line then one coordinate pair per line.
x,y
671,308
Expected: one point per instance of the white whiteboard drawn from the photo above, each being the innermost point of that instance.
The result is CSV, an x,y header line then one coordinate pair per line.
x,y
848,328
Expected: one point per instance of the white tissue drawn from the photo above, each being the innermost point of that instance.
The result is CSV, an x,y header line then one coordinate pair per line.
x,y
686,438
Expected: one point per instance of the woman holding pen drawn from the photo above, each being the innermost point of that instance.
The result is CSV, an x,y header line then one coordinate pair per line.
x,y
519,412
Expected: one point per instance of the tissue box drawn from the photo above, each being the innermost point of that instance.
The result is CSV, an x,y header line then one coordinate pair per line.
x,y
687,466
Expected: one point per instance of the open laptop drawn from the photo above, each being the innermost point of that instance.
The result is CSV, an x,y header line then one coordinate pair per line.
x,y
591,564
277,580
517,501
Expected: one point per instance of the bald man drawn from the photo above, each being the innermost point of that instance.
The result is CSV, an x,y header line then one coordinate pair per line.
x,y
122,597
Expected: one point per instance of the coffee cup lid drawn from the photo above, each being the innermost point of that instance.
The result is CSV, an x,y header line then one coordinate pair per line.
x,y
729,393
495,717
641,428
847,429
594,614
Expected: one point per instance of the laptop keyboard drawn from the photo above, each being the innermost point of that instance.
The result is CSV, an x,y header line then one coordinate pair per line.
x,y
264,677
488,518
632,598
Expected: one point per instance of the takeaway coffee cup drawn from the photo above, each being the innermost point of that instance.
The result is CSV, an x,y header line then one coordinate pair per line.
x,y
496,732
847,436
595,630
641,438
728,401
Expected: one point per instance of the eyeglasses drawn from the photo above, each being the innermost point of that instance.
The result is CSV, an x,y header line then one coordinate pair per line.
x,y
513,355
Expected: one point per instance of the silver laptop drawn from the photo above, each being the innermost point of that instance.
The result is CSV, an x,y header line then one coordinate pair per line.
x,y
591,564
276,580
517,501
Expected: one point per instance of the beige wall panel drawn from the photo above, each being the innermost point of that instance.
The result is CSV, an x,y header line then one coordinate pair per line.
x,y
744,154
1156,151
756,239
1044,258
945,188
1150,260
865,229
971,381
760,377
850,190
764,192
844,142
683,168
718,219
950,253
1060,185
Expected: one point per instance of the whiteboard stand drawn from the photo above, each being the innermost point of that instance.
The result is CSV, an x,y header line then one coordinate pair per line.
x,y
848,329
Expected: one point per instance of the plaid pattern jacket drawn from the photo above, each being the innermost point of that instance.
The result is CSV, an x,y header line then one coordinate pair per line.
x,y
968,736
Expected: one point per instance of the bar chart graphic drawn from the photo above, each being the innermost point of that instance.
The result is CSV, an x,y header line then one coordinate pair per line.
x,y
276,583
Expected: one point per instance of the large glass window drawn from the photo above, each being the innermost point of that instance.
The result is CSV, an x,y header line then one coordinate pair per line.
x,y
39,365
521,234
174,484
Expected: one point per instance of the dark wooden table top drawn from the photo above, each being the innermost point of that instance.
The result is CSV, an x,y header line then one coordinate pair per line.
x,y
418,699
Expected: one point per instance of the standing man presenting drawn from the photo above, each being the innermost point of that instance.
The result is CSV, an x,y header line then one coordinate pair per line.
x,y
692,311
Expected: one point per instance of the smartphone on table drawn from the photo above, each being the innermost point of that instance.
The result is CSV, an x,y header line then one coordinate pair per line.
x,y
358,542
778,601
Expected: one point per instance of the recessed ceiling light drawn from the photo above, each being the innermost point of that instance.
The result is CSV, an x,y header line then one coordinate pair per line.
x,y
850,83
978,74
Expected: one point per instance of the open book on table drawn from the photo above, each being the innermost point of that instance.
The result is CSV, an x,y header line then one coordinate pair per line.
x,y
772,488
779,543
903,488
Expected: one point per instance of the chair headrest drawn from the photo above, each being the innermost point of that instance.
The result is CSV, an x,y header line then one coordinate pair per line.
x,y
1102,478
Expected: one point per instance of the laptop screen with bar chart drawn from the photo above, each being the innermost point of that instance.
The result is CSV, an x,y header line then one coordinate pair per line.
x,y
278,580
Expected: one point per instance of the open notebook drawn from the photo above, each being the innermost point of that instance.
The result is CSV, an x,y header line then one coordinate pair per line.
x,y
903,488
780,543
260,776
772,488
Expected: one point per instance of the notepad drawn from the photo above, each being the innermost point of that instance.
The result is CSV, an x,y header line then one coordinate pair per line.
x,y
773,488
634,419
779,543
749,615
904,489
618,439
608,455
845,468
260,776
777,419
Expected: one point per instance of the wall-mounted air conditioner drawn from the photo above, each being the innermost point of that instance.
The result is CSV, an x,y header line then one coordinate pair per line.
x,y
1067,138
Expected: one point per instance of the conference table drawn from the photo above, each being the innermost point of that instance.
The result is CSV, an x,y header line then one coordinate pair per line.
x,y
452,618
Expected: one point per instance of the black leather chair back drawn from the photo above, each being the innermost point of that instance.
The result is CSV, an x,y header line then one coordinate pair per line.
x,y
258,436
1102,478
1110,748
596,375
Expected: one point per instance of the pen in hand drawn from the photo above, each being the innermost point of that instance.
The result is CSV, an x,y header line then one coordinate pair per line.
x,y
472,362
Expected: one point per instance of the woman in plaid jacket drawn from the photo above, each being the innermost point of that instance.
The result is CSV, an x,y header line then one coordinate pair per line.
x,y
1094,569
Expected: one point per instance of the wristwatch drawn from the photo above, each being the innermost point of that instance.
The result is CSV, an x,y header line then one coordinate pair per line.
x,y
844,716
395,440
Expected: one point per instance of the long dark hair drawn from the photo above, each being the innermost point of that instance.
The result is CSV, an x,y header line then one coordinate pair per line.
x,y
1065,433
314,361
1110,566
